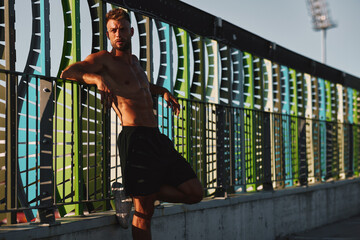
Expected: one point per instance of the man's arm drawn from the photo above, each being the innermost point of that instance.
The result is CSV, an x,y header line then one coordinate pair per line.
x,y
169,98
157,90
88,72
84,71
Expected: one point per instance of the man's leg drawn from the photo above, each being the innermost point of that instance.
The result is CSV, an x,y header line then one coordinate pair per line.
x,y
189,192
144,210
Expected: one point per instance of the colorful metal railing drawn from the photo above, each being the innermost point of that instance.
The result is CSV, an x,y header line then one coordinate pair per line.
x,y
221,171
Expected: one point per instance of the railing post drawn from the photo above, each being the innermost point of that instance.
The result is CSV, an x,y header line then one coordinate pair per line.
x,y
351,152
303,166
106,156
11,148
242,147
204,144
11,138
231,172
267,184
329,150
78,168
221,185
46,209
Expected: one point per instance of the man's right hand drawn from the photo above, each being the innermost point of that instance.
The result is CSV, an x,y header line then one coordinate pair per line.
x,y
107,97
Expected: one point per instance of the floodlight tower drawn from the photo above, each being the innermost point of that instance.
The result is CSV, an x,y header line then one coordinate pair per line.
x,y
321,21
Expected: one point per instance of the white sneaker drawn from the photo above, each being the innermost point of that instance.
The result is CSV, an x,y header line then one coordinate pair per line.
x,y
123,204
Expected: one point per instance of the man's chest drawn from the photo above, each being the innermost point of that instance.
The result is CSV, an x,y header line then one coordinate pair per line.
x,y
128,78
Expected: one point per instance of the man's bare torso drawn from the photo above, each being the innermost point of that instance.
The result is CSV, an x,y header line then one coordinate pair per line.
x,y
128,82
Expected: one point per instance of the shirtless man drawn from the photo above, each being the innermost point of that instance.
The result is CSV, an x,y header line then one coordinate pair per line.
x,y
152,169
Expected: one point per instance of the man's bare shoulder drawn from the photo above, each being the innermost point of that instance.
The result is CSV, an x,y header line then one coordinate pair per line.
x,y
134,58
98,56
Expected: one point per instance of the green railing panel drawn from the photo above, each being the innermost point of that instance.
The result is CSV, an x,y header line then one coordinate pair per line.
x,y
341,119
249,137
67,121
92,123
356,136
248,81
182,81
328,101
182,90
348,119
94,150
294,123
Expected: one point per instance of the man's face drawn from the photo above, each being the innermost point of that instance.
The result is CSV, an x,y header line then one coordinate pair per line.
x,y
119,34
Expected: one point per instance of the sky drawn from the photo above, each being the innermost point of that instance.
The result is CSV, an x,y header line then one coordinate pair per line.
x,y
285,22
288,23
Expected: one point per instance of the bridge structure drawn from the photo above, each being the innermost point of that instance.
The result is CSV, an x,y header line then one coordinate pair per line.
x,y
255,116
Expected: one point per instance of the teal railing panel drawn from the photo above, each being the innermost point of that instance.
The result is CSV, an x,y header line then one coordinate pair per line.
x,y
38,63
165,75
322,126
285,109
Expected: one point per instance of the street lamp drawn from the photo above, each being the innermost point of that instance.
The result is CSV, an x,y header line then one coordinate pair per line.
x,y
321,21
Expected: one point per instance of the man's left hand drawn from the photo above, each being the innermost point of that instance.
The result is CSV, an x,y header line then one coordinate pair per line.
x,y
172,102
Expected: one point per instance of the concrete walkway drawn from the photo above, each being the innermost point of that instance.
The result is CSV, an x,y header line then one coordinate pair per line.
x,y
342,230
266,215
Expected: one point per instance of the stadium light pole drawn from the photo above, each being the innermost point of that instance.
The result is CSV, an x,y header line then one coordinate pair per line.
x,y
321,22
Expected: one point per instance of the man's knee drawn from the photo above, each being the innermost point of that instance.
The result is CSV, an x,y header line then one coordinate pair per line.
x,y
196,197
193,190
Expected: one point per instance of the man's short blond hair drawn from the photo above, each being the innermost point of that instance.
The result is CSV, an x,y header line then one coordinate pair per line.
x,y
117,14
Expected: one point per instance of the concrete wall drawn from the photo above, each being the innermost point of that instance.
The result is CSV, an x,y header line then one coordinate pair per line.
x,y
263,215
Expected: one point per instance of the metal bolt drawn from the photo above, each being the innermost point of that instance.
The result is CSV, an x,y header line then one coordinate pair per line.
x,y
47,90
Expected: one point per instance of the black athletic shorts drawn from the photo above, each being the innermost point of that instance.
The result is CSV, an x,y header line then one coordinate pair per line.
x,y
149,161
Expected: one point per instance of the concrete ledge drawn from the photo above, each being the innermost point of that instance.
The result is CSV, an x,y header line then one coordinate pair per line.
x,y
67,228
261,215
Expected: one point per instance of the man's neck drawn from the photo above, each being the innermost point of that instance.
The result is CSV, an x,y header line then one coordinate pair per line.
x,y
124,55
